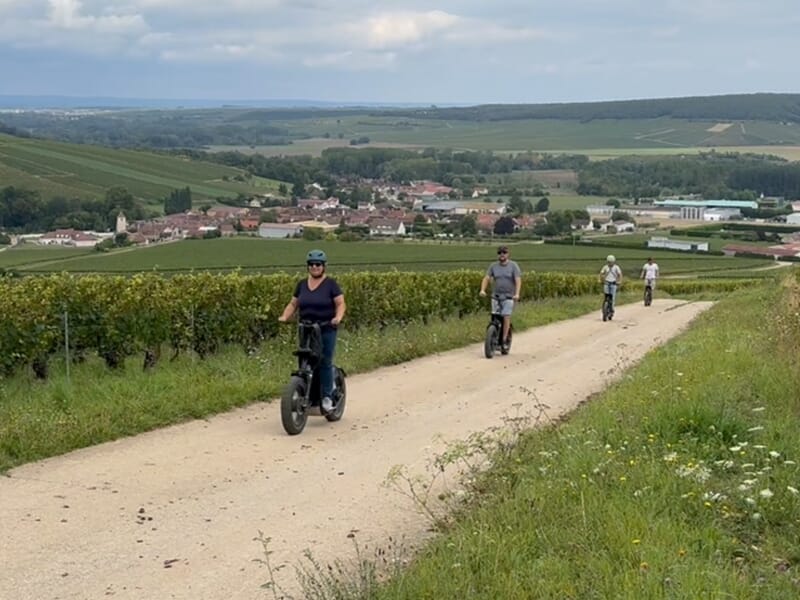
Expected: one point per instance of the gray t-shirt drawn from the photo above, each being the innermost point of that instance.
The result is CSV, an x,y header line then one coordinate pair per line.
x,y
505,277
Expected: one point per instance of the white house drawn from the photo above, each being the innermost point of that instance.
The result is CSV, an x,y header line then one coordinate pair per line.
x,y
279,230
387,227
317,204
662,242
69,237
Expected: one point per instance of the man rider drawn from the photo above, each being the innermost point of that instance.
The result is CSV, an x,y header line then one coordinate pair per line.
x,y
507,284
611,276
650,273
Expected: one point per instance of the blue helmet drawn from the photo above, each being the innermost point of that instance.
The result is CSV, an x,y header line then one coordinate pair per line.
x,y
316,256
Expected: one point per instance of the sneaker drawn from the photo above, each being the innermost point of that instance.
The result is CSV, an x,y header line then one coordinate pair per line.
x,y
326,404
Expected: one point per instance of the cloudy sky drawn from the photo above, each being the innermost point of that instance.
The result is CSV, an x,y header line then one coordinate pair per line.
x,y
468,51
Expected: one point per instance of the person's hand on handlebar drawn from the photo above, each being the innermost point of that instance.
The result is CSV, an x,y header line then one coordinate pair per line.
x,y
335,322
482,293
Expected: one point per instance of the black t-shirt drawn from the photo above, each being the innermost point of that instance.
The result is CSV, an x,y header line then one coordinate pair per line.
x,y
317,306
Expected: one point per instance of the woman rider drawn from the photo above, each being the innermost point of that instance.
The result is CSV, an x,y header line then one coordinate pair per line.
x,y
319,299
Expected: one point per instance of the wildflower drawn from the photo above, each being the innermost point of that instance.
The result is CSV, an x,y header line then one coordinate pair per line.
x,y
760,447
735,448
774,454
681,552
756,516
748,465
750,501
766,493
623,478
678,373
671,457
759,409
707,504
754,429
644,566
789,462
636,542
792,490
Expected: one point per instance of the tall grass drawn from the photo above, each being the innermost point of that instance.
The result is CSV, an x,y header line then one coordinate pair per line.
x,y
681,481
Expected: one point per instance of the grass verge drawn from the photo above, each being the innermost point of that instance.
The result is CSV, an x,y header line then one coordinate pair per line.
x,y
43,419
681,481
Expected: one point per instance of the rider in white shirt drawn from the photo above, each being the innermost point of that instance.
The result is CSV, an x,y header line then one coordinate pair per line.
x,y
611,276
650,273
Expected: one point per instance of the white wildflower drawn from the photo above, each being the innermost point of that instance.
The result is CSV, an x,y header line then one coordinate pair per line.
x,y
766,493
759,409
756,516
792,490
750,501
748,465
757,428
760,447
774,454
789,462
671,457
735,448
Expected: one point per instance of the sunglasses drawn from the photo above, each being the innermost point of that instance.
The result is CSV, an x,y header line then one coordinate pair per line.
x,y
503,252
314,264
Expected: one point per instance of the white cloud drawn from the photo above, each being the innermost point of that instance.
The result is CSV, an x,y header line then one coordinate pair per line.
x,y
403,28
66,14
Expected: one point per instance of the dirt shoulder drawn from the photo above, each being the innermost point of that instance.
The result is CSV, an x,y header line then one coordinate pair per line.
x,y
174,513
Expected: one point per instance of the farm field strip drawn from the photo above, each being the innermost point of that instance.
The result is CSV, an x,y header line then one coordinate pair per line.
x,y
276,255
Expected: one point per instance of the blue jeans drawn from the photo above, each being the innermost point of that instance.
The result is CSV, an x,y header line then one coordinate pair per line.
x,y
326,364
611,288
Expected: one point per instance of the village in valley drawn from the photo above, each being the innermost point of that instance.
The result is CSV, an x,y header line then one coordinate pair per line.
x,y
428,209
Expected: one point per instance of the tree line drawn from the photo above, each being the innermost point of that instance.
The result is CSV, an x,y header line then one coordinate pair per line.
x,y
454,168
24,211
712,174
733,107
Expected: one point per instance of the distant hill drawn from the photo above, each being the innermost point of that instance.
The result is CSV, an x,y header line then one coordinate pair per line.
x,y
112,103
56,169
667,123
735,107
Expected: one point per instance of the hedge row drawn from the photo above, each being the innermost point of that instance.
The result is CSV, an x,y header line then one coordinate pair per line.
x,y
120,316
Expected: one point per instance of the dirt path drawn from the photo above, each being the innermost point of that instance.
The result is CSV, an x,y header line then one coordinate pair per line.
x,y
104,521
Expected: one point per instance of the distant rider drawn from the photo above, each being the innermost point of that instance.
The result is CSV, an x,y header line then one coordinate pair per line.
x,y
319,299
507,285
611,276
650,273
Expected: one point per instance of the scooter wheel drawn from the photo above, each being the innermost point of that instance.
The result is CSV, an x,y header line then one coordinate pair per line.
x,y
293,414
341,392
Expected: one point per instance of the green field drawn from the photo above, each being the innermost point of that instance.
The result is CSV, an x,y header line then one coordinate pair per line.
x,y
30,254
601,136
714,243
286,255
72,170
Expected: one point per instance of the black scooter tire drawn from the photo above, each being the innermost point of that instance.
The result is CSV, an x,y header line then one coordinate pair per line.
x,y
294,420
488,344
341,388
